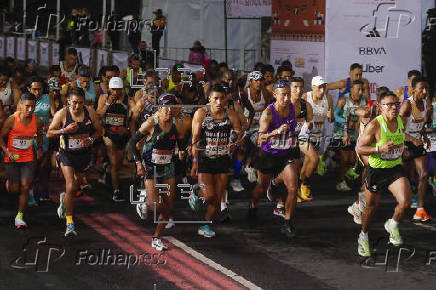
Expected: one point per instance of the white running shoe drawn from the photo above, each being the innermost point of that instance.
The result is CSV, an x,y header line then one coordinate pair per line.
x,y
170,224
355,212
61,208
20,223
251,174
342,186
158,244
236,185
142,210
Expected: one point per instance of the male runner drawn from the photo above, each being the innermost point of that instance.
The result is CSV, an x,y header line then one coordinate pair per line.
x,y
277,127
383,141
77,126
344,86
416,111
19,130
211,146
404,92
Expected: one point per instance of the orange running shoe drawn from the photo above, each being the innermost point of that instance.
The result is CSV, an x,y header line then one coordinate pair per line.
x,y
421,215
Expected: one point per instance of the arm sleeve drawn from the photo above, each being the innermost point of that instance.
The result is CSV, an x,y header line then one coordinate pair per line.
x,y
132,145
338,114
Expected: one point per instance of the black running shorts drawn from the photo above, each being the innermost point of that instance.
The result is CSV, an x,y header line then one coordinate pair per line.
x,y
268,163
214,165
78,161
377,180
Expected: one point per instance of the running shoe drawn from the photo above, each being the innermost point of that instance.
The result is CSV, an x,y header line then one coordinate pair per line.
x,y
206,232
270,194
280,212
355,212
288,230
342,186
61,208
321,166
170,224
142,211
362,201
194,201
79,193
158,244
414,201
85,185
305,194
117,196
363,247
394,234
236,185
251,174
70,230
225,216
32,202
421,215
20,223
351,174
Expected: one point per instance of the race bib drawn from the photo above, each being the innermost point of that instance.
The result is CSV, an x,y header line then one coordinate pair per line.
x,y
22,142
318,127
216,151
75,142
394,154
282,143
161,157
114,120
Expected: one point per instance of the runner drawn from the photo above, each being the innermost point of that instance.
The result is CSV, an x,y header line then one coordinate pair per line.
x,y
416,111
19,130
285,72
345,131
268,73
383,141
344,86
404,92
276,131
211,146
161,132
69,66
114,114
134,66
77,126
84,81
6,94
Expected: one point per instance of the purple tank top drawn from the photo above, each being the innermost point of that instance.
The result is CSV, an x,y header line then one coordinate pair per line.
x,y
281,145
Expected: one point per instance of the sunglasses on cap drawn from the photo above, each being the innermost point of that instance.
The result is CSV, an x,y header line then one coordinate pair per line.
x,y
167,99
281,84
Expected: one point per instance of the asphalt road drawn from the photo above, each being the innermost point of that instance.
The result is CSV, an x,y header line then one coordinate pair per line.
x,y
113,251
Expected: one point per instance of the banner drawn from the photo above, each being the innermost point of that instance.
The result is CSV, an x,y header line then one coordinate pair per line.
x,y
248,8
120,59
54,53
21,48
384,37
2,47
43,54
83,55
32,49
10,47
102,59
307,58
298,17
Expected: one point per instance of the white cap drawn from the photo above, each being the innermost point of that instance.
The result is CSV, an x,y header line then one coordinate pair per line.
x,y
318,81
116,83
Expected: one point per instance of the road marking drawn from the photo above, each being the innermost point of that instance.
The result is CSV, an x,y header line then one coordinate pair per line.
x,y
211,263
429,227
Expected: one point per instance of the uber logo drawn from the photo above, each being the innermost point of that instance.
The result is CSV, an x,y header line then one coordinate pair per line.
x,y
368,68
372,51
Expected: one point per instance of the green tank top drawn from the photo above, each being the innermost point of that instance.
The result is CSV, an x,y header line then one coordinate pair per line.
x,y
392,158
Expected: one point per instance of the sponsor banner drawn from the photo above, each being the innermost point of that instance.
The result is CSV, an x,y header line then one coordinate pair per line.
x,y
54,53
102,59
248,8
307,58
120,59
32,49
298,17
10,47
2,47
383,36
21,48
43,54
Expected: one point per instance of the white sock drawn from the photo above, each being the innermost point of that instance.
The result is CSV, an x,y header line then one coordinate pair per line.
x,y
419,208
223,206
363,235
279,205
394,223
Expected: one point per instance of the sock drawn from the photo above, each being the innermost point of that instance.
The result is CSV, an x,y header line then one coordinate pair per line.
x,y
70,219
393,223
273,182
19,215
279,205
223,206
363,235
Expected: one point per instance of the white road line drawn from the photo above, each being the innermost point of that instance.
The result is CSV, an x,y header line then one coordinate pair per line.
x,y
429,227
211,263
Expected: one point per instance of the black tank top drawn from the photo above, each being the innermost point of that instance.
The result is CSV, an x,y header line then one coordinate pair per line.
x,y
215,136
72,142
115,116
148,110
302,117
159,150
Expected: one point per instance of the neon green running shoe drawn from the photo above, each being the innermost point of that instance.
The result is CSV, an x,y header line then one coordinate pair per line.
x,y
363,247
351,174
321,166
394,234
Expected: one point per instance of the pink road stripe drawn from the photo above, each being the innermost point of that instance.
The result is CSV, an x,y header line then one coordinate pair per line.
x,y
176,253
128,247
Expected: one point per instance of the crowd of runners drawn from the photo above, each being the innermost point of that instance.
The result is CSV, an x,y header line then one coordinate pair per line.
x,y
211,128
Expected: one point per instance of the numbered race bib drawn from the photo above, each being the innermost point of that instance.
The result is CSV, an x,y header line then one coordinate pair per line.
x,y
416,126
257,115
22,142
282,143
114,120
75,142
161,157
317,127
394,154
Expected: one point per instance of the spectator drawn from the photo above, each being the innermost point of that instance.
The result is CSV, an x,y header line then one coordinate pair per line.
x,y
98,38
134,34
146,55
157,29
113,33
197,54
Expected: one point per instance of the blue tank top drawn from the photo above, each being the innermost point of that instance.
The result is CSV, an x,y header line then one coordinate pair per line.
x,y
281,145
347,89
42,111
90,93
406,88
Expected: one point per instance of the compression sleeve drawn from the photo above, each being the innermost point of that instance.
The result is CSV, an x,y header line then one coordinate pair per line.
x,y
338,114
132,145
